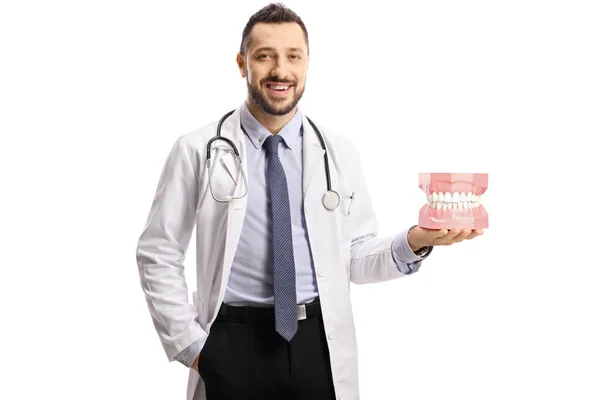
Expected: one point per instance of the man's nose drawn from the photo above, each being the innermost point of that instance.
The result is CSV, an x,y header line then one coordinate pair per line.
x,y
279,69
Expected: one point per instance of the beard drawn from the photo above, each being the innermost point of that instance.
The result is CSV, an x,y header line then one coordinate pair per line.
x,y
271,108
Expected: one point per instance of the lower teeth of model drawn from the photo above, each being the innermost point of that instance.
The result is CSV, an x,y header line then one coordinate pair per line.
x,y
453,201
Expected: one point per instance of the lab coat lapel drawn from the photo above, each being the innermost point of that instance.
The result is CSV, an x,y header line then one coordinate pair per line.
x,y
312,156
237,208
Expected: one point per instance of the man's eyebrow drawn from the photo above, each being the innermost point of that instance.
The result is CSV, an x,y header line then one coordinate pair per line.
x,y
265,48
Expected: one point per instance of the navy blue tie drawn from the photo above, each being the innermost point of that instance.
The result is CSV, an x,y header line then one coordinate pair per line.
x,y
284,271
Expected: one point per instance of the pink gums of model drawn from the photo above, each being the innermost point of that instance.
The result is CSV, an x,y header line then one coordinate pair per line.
x,y
453,201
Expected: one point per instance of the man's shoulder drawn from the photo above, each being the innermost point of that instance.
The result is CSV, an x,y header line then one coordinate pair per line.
x,y
203,133
199,137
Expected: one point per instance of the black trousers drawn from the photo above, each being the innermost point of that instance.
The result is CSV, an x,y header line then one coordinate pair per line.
x,y
244,358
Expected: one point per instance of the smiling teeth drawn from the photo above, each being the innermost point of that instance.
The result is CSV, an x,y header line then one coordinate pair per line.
x,y
453,201
279,87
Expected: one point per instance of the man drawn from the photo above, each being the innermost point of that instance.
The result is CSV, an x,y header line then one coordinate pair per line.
x,y
272,317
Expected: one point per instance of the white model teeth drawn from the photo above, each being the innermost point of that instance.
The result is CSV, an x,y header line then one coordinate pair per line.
x,y
453,201
279,87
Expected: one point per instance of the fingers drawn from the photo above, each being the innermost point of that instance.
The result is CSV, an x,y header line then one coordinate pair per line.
x,y
475,233
435,233
448,238
441,233
457,236
464,234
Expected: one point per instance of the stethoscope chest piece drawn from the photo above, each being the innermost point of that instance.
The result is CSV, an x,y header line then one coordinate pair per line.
x,y
331,200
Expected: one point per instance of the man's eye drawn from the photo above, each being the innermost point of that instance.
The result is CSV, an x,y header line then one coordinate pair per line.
x,y
295,57
263,56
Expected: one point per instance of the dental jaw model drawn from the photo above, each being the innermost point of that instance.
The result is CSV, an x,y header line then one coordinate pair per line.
x,y
453,201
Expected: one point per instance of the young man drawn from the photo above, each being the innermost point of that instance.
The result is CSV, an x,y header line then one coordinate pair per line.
x,y
272,317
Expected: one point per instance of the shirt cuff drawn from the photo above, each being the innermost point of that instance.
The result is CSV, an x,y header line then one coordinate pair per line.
x,y
188,355
406,260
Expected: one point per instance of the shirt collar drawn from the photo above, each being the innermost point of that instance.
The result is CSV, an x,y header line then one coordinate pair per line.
x,y
257,133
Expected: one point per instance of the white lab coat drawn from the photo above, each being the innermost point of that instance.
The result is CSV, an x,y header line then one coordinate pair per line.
x,y
345,248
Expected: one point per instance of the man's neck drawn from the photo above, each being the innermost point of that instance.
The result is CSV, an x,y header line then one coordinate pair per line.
x,y
273,123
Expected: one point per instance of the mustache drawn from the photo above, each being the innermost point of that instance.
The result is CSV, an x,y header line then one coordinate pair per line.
x,y
277,80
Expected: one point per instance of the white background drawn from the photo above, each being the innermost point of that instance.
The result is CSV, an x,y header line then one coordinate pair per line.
x,y
93,95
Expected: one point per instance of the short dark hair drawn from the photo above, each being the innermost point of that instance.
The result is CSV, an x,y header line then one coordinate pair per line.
x,y
274,13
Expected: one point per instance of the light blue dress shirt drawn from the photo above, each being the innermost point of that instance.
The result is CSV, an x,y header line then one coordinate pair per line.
x,y
251,280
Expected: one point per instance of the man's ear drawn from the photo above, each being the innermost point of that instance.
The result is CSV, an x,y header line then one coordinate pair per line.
x,y
241,64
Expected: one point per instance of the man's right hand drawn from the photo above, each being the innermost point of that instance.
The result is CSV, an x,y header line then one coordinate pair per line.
x,y
195,364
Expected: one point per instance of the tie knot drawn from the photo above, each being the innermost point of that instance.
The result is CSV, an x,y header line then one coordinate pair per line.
x,y
272,143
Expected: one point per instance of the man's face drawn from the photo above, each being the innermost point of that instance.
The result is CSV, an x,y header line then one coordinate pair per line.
x,y
275,66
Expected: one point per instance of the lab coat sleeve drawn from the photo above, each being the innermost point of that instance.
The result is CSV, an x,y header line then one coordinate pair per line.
x,y
161,252
188,355
371,254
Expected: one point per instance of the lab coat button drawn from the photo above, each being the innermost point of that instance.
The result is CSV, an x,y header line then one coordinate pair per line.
x,y
331,334
320,272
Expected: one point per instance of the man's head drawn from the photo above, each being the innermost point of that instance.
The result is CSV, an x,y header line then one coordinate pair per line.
x,y
273,58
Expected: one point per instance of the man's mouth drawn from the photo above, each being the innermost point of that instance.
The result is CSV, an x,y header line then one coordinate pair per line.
x,y
279,88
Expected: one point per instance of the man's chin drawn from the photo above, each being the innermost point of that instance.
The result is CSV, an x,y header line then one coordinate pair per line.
x,y
274,105
278,101
279,108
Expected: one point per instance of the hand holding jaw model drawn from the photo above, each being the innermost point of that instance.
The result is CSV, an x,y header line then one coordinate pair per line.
x,y
453,212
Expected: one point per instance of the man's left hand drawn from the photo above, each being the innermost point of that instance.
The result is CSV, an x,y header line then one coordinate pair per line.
x,y
423,237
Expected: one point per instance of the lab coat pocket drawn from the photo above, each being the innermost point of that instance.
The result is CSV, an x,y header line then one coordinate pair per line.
x,y
347,200
344,211
346,205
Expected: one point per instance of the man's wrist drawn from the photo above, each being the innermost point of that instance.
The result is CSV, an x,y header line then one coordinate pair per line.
x,y
189,355
415,247
195,363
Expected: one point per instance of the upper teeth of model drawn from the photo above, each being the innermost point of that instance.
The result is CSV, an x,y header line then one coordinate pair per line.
x,y
456,201
279,87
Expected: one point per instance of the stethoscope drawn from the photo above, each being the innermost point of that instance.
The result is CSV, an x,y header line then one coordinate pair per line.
x,y
331,198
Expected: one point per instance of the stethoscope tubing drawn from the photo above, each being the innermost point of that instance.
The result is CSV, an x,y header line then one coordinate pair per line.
x,y
237,154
